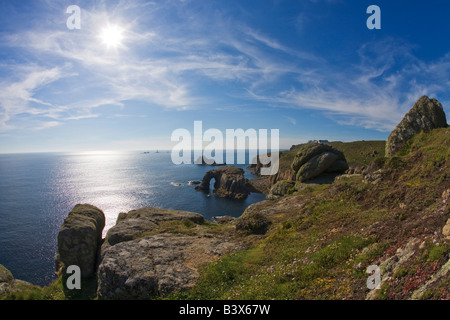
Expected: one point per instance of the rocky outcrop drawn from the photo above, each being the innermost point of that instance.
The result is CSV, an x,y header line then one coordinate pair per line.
x,y
253,224
79,239
284,172
5,275
280,189
140,260
9,285
229,182
137,223
426,114
144,268
314,159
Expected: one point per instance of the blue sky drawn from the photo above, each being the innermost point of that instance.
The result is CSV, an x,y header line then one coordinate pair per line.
x,y
310,68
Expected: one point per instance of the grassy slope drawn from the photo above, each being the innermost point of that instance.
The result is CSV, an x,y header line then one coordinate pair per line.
x,y
357,153
360,153
323,238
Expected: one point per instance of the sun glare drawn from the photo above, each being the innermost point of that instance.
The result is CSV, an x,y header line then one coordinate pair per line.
x,y
112,36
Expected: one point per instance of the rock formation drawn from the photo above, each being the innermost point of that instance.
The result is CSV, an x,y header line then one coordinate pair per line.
x,y
229,182
10,285
139,261
79,239
425,115
141,256
280,189
137,223
314,159
145,267
284,172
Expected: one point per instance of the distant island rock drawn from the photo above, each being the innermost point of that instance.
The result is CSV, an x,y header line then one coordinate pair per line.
x,y
229,183
426,114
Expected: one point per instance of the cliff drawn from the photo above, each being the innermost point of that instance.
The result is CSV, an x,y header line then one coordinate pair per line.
x,y
309,241
318,242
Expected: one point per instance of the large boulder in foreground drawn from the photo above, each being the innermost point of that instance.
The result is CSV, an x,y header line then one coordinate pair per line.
x,y
426,114
229,182
144,256
313,159
79,239
138,223
144,268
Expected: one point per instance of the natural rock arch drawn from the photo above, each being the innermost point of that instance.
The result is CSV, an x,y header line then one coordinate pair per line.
x,y
229,182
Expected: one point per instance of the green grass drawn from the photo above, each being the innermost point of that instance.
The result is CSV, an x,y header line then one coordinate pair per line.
x,y
54,291
361,153
266,274
319,252
26,292
357,153
318,248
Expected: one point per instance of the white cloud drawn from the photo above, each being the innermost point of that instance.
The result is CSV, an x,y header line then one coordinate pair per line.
x,y
291,120
373,93
16,96
166,65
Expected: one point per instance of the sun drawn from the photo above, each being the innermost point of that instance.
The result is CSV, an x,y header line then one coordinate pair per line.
x,y
112,36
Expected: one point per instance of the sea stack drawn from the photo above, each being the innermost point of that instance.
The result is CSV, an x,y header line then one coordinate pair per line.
x,y
79,239
229,183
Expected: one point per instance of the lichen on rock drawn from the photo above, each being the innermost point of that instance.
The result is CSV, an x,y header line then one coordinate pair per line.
x,y
140,261
79,239
280,189
313,159
426,114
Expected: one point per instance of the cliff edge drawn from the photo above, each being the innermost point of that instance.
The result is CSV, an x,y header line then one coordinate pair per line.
x,y
310,241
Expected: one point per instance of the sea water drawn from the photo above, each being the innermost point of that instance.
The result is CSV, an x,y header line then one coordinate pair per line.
x,y
38,190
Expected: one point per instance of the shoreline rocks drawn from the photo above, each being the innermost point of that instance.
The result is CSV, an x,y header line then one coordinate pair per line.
x,y
79,239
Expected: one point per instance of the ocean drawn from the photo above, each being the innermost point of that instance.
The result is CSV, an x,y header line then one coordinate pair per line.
x,y
38,190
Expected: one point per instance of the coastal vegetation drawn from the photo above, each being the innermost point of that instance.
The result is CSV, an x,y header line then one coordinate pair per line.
x,y
316,241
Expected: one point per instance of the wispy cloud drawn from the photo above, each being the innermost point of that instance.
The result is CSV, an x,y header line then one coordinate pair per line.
x,y
291,120
168,64
15,97
373,93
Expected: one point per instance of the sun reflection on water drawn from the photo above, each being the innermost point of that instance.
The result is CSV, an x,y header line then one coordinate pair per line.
x,y
111,181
